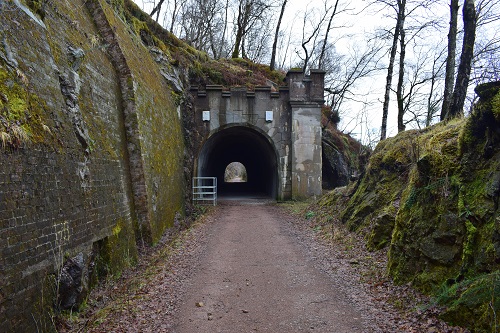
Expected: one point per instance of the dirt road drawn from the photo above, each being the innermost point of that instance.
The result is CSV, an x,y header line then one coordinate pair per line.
x,y
254,277
251,267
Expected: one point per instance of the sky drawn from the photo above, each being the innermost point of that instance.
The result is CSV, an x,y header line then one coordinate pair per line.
x,y
360,118
364,22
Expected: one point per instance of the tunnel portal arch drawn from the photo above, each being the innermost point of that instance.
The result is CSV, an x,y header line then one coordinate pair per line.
x,y
250,147
274,131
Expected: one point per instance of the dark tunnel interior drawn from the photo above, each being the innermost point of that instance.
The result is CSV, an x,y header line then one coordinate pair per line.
x,y
250,148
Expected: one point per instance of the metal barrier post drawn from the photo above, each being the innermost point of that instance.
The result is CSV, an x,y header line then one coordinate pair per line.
x,y
205,189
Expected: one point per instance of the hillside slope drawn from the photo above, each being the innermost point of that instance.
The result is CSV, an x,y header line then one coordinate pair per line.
x,y
432,197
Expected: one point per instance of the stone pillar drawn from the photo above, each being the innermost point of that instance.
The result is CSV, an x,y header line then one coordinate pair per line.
x,y
306,99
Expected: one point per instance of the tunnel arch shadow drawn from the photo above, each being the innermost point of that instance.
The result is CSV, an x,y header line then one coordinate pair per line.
x,y
251,147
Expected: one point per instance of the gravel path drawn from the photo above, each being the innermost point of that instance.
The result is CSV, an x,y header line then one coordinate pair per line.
x,y
254,277
250,266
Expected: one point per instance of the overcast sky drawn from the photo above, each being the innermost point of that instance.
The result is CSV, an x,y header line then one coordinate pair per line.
x,y
357,26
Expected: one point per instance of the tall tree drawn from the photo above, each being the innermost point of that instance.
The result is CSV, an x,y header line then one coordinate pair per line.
x,y
276,36
249,13
401,73
390,68
325,40
450,59
464,68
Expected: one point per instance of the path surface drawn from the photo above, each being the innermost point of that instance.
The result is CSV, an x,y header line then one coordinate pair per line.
x,y
254,277
256,268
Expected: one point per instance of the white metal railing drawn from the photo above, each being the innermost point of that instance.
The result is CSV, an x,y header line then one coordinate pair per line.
x,y
205,189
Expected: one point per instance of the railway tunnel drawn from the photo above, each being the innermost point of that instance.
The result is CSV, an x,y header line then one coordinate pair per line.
x,y
247,146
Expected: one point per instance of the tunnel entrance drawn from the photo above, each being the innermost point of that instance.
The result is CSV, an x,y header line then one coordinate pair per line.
x,y
248,147
235,173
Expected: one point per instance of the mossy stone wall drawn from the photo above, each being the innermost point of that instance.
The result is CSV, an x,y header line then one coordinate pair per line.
x,y
159,125
66,188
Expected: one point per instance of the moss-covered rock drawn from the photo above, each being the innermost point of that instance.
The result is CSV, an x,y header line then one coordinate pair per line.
x,y
432,196
473,302
374,205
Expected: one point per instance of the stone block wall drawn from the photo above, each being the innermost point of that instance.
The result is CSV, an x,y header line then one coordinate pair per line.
x,y
295,130
243,107
102,166
306,99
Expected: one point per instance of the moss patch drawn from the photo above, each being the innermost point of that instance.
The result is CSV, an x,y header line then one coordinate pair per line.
x,y
473,302
22,113
115,253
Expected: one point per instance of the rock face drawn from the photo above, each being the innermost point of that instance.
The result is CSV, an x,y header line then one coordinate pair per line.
x,y
432,197
343,158
335,168
70,282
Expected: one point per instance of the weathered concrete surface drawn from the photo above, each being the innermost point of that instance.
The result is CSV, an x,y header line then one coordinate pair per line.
x,y
293,129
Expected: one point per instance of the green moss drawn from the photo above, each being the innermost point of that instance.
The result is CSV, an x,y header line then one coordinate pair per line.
x,y
115,253
495,106
468,249
138,26
22,112
473,302
37,6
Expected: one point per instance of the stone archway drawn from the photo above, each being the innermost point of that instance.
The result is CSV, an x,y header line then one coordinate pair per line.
x,y
247,146
280,134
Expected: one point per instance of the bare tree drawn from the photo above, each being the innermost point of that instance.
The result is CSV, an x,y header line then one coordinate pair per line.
x,y
223,35
345,71
402,55
390,68
434,97
249,12
464,68
309,38
256,42
486,62
325,40
276,35
174,15
420,97
203,25
450,59
414,32
403,10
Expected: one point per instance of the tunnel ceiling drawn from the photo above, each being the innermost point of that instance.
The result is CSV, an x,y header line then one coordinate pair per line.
x,y
244,145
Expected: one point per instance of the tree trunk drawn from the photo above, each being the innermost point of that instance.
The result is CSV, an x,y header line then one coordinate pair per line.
x,y
450,59
157,10
431,104
276,35
242,25
460,92
402,54
221,46
174,14
237,44
325,41
390,70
